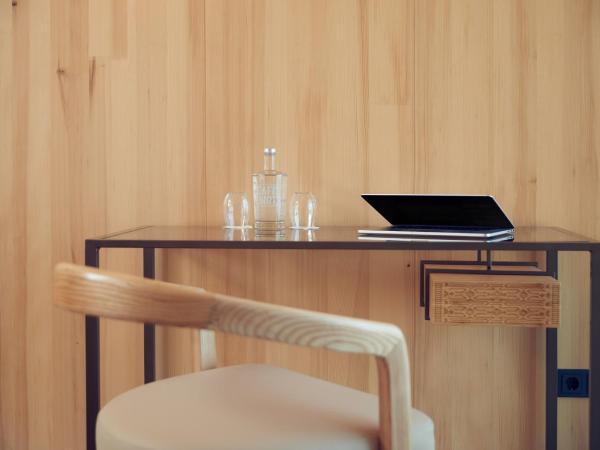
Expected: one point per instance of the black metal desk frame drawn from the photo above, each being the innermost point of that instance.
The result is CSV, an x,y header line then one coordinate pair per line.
x,y
551,249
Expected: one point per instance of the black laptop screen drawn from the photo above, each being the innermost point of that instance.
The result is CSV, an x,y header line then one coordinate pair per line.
x,y
439,211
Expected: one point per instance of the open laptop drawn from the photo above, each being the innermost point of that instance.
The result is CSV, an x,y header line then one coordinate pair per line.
x,y
439,217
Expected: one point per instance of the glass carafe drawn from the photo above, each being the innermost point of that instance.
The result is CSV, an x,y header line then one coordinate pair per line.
x,y
269,189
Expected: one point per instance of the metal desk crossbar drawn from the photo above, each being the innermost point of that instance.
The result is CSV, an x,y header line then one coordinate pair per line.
x,y
544,239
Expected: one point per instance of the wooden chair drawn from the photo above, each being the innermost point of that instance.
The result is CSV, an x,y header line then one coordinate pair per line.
x,y
253,406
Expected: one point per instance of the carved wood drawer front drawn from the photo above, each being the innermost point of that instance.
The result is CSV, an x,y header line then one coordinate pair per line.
x,y
522,300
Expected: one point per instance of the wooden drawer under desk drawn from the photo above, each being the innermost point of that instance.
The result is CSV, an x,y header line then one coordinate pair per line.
x,y
464,265
521,300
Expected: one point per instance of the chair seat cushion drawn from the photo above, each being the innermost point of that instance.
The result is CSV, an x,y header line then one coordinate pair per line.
x,y
247,407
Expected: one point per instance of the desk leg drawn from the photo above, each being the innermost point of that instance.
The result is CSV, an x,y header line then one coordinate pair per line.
x,y
595,349
551,366
92,360
149,341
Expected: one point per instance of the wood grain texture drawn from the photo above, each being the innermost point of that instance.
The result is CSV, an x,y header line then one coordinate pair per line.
x,y
494,299
495,113
115,114
13,322
472,135
324,53
118,296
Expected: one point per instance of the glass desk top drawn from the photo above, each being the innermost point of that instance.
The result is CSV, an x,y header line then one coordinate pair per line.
x,y
328,237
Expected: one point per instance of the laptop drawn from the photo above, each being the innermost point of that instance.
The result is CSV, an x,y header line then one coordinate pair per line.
x,y
439,217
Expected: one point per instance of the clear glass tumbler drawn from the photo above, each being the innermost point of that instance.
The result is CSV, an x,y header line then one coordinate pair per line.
x,y
303,209
236,210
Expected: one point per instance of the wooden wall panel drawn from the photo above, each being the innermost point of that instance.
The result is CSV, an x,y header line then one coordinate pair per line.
x,y
567,90
154,123
503,106
13,120
119,113
66,189
330,56
471,136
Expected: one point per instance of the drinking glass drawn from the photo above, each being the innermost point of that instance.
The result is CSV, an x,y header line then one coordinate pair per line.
x,y
303,209
235,210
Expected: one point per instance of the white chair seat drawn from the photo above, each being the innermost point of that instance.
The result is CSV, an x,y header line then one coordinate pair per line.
x,y
247,407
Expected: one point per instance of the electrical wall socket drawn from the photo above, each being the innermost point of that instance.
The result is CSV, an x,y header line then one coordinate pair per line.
x,y
573,382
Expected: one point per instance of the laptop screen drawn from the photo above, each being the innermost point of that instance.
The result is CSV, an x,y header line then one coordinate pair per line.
x,y
440,211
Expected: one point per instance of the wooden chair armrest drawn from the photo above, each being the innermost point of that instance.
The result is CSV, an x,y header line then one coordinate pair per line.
x,y
119,296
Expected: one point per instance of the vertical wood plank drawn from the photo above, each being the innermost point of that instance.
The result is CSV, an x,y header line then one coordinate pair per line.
x,y
65,186
14,31
186,139
115,93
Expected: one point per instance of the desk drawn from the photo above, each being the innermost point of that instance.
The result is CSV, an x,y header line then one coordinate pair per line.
x,y
545,239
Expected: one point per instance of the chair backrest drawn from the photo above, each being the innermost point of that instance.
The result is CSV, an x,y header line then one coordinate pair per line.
x,y
118,296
